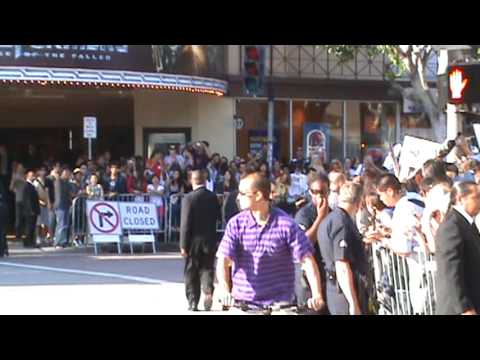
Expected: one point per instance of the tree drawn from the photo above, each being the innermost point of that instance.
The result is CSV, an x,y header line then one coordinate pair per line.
x,y
408,60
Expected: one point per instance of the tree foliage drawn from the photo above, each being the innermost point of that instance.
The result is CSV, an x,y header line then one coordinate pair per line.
x,y
404,60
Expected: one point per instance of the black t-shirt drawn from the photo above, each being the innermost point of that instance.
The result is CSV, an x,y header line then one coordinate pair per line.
x,y
49,184
305,218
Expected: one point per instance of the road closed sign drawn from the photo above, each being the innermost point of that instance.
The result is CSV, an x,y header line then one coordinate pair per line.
x,y
138,216
104,218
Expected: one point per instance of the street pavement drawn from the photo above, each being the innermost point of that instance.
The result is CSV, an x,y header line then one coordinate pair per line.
x,y
75,281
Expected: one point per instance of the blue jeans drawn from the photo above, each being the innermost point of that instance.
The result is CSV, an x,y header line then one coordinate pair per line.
x,y
61,231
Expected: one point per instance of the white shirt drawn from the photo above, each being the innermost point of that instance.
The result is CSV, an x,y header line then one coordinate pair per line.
x,y
404,235
209,185
155,199
462,211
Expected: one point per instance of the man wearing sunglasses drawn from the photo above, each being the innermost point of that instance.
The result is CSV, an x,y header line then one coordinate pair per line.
x,y
260,246
308,219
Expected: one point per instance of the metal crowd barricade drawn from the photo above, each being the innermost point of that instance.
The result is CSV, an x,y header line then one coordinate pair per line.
x,y
221,223
174,207
79,221
404,285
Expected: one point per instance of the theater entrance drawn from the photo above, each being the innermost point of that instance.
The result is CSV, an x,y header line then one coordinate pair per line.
x,y
50,120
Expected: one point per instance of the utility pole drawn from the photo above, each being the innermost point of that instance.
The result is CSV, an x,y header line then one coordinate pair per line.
x,y
271,112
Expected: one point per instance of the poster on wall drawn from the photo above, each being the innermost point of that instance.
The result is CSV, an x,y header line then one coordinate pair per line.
x,y
316,139
257,139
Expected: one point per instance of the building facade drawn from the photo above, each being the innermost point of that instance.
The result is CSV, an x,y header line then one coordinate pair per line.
x,y
152,96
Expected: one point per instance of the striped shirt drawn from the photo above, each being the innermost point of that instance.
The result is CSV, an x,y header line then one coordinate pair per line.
x,y
263,272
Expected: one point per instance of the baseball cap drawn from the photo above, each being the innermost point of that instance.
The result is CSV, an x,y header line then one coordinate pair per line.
x,y
76,171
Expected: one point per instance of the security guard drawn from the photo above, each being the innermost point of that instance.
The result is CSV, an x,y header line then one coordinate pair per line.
x,y
343,254
309,219
3,220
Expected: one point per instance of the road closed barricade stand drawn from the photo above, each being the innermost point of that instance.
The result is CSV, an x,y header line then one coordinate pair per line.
x,y
132,218
142,219
104,223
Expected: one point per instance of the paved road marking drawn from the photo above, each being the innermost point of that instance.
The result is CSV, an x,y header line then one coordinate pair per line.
x,y
140,279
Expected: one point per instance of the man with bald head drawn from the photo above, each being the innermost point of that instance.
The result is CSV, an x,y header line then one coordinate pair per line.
x,y
198,240
255,267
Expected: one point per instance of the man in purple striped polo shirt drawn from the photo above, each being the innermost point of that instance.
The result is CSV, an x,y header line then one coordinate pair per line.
x,y
260,246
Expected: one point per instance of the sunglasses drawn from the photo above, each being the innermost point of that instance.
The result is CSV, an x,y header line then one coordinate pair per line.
x,y
316,192
246,194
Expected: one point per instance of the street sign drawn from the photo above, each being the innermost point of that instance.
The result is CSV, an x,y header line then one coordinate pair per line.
x,y
139,216
90,127
104,218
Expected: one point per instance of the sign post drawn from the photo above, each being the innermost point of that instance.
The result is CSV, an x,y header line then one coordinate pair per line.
x,y
90,132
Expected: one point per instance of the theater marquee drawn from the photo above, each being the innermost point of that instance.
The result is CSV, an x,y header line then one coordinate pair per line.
x,y
112,57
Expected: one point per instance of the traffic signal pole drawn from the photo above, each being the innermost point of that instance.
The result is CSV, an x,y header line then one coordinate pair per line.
x,y
271,112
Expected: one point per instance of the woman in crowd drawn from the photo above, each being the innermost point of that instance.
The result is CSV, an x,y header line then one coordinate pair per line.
x,y
156,190
155,165
229,182
176,187
264,170
94,190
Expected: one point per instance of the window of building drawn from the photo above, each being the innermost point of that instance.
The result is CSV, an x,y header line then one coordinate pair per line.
x,y
318,128
253,135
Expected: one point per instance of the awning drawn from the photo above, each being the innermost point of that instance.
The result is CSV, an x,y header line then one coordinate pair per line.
x,y
112,79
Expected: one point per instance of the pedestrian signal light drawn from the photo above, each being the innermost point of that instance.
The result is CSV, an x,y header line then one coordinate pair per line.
x,y
464,83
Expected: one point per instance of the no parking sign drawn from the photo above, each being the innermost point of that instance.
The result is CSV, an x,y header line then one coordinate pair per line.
x,y
104,218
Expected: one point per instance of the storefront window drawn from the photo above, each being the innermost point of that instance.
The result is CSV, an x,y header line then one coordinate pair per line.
x,y
318,128
253,135
378,128
353,130
416,124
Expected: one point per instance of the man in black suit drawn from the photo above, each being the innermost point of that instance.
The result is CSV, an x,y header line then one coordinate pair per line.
x,y
198,240
31,208
458,254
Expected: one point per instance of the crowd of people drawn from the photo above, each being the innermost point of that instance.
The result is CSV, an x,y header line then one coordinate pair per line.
x,y
339,208
330,216
44,190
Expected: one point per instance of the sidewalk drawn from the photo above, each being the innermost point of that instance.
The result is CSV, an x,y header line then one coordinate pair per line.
x,y
17,249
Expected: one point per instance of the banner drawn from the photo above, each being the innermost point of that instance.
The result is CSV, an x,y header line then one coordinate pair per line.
x,y
415,152
316,138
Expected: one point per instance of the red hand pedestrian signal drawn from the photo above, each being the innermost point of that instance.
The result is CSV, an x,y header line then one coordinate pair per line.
x,y
458,83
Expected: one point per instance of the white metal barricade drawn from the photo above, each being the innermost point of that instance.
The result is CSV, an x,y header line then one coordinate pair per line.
x,y
404,285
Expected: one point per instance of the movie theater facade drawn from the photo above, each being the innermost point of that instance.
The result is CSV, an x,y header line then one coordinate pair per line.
x,y
147,96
